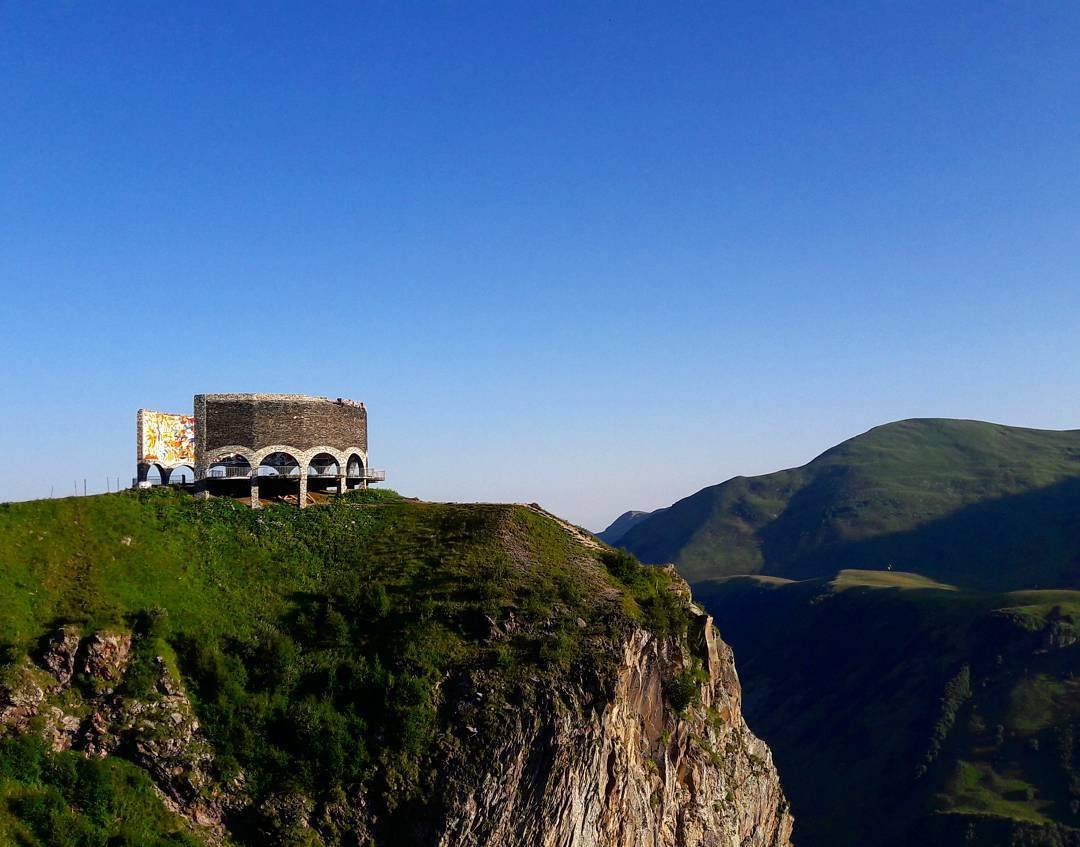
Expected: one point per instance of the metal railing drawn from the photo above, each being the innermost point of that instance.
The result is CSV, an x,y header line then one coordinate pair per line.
x,y
290,472
279,470
229,472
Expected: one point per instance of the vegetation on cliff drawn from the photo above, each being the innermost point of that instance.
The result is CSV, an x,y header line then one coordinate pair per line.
x,y
313,643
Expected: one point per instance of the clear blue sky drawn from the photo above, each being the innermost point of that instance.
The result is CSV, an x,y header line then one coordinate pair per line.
x,y
592,255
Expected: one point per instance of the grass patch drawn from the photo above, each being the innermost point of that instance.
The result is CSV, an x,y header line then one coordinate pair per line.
x,y
1033,703
854,578
976,788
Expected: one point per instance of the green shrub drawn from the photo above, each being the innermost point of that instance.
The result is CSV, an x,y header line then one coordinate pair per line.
x,y
370,495
558,649
957,692
662,611
684,689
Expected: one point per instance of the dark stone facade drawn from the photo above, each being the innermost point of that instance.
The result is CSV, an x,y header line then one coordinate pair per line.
x,y
256,427
257,421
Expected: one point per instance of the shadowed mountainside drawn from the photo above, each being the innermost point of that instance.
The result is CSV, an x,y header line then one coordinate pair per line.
x,y
903,711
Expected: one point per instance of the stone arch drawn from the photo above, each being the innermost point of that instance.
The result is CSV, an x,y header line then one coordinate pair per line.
x,y
355,465
228,465
257,456
359,451
282,463
175,475
155,474
311,453
230,450
323,464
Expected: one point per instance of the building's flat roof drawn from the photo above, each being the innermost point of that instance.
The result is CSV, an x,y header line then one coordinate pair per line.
x,y
286,398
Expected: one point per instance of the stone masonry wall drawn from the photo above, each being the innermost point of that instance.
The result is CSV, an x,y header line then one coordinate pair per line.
x,y
256,421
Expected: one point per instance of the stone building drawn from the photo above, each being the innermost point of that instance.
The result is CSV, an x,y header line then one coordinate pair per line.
x,y
260,445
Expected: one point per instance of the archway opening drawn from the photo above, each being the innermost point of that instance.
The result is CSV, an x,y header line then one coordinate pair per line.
x,y
229,467
279,464
156,475
181,475
354,469
323,465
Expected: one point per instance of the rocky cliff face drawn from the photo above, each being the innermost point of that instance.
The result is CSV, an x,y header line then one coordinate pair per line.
x,y
650,751
610,761
653,752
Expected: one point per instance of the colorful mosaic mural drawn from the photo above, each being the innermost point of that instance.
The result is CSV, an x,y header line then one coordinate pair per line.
x,y
166,439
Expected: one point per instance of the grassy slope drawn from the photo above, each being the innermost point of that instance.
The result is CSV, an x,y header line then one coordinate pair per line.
x,y
846,677
964,502
338,623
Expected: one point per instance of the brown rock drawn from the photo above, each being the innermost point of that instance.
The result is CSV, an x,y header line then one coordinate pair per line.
x,y
59,656
106,655
60,729
610,764
21,697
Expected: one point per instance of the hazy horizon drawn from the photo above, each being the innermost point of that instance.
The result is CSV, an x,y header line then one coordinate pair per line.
x,y
596,258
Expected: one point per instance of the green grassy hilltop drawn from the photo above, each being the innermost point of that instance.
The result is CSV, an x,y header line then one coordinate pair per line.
x,y
966,502
313,642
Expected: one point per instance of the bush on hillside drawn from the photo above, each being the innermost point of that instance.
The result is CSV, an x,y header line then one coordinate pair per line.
x,y
662,612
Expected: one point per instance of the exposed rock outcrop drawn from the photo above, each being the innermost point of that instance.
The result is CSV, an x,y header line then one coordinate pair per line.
x,y
59,655
105,656
158,731
22,694
616,765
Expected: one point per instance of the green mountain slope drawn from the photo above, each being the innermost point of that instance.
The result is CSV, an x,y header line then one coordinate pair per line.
x,y
317,647
968,502
903,711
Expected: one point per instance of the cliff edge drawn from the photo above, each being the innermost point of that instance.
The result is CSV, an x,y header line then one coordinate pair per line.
x,y
374,671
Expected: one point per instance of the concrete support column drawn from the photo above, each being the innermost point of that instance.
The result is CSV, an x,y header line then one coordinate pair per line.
x,y
255,504
342,484
142,471
303,487
201,491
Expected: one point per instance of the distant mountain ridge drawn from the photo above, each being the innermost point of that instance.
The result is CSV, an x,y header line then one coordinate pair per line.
x,y
973,503
622,525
